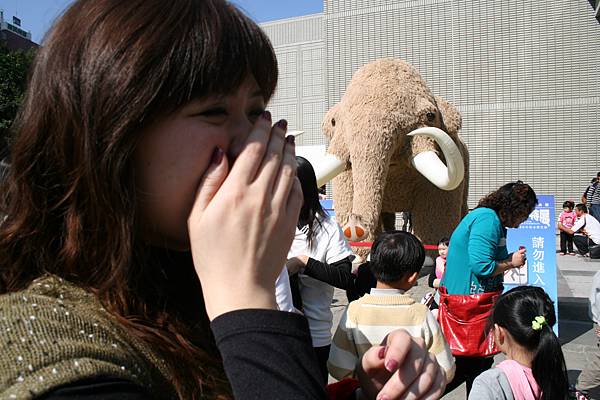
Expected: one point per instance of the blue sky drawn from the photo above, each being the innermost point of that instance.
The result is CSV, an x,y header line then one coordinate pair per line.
x,y
38,15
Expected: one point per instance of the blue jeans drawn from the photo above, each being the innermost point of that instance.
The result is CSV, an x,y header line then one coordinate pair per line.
x,y
595,211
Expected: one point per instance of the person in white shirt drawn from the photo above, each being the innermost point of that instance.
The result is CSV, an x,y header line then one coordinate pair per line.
x,y
586,229
322,257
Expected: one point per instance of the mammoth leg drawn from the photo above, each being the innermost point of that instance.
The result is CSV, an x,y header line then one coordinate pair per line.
x,y
436,215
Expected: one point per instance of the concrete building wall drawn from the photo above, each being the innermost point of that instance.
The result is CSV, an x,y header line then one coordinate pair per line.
x,y
523,73
300,95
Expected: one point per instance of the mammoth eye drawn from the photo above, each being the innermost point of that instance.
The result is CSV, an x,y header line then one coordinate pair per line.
x,y
332,121
430,116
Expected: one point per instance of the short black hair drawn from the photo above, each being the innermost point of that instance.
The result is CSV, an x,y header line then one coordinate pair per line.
x,y
581,207
396,254
445,241
569,204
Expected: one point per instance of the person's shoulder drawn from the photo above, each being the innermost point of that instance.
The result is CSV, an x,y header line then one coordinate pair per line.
x,y
487,218
58,333
484,213
492,374
491,385
420,309
355,308
492,378
328,223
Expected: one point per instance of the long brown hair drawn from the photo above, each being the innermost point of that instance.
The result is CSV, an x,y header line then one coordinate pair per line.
x,y
106,70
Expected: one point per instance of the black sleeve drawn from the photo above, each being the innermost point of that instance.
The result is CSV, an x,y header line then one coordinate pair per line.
x,y
98,388
432,277
338,274
362,283
268,354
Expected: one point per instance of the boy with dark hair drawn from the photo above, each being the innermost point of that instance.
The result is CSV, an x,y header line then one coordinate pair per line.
x,y
396,259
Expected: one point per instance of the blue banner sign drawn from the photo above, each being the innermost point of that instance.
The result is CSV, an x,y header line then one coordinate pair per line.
x,y
538,235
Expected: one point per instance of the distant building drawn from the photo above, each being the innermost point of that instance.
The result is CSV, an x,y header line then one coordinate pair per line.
x,y
13,36
596,5
523,73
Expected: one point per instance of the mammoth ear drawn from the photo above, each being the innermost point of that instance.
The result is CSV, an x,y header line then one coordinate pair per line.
x,y
450,116
330,121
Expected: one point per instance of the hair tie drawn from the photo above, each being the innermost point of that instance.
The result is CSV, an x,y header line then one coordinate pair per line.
x,y
538,322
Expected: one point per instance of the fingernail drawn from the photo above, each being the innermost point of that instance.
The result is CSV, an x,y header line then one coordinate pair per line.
x,y
381,396
217,156
291,139
266,115
391,365
281,124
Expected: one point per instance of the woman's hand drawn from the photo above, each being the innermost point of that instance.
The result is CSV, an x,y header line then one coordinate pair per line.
x,y
401,368
517,259
242,223
296,264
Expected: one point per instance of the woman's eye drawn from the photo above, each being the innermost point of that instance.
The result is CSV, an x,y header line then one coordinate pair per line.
x,y
254,114
213,112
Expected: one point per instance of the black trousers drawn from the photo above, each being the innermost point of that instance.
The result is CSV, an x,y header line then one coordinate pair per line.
x,y
583,243
467,369
566,242
322,357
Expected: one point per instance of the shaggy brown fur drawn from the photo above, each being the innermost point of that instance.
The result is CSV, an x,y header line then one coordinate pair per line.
x,y
386,100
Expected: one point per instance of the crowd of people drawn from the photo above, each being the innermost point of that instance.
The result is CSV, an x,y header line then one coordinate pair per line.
x,y
468,278
579,224
160,239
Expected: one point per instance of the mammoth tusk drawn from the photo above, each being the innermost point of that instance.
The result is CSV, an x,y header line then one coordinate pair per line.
x,y
431,167
328,168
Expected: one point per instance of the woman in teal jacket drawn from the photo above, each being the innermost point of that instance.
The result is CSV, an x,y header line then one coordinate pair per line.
x,y
478,258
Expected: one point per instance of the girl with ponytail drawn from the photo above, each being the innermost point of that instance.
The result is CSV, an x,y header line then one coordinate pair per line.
x,y
534,368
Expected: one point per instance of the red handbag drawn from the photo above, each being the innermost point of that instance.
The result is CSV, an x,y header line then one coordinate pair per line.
x,y
464,322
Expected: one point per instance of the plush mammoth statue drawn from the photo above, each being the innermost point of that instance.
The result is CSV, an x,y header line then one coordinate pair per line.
x,y
394,146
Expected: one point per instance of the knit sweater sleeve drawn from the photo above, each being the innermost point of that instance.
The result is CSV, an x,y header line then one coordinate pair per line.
x,y
343,355
438,346
268,354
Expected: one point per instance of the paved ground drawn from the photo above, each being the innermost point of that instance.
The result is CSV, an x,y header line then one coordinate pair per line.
x,y
575,328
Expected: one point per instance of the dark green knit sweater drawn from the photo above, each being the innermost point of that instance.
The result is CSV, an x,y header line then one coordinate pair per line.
x,y
54,333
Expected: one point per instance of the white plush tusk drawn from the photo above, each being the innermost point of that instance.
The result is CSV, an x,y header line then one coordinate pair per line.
x,y
294,133
431,167
328,168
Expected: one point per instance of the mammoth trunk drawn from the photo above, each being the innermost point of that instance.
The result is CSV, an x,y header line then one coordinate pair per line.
x,y
370,169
